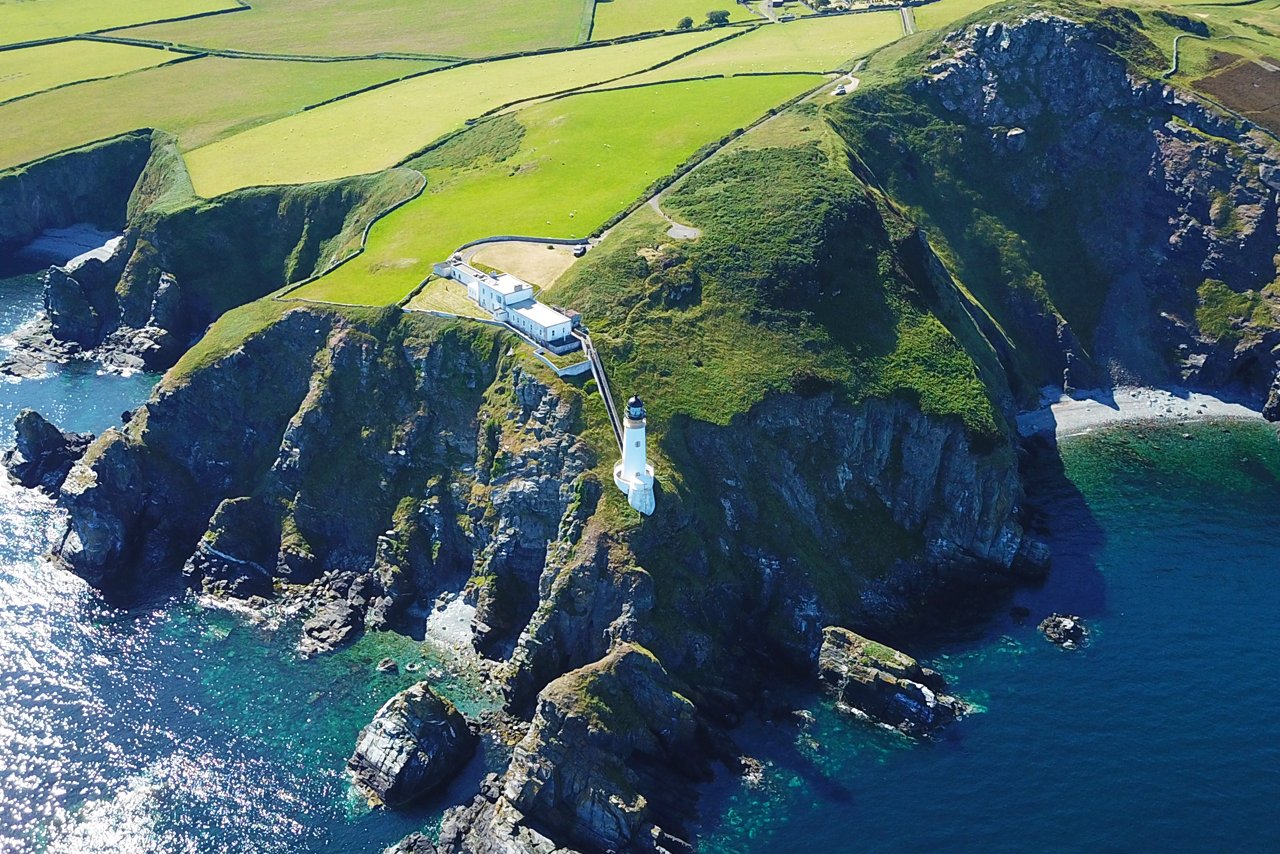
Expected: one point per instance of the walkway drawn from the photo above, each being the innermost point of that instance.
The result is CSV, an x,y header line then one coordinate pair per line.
x,y
602,383
908,20
678,230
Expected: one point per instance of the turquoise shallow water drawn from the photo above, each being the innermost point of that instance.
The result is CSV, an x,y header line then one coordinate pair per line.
x,y
167,727
1163,734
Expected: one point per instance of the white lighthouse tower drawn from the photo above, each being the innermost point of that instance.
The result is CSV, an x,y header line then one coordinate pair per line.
x,y
633,475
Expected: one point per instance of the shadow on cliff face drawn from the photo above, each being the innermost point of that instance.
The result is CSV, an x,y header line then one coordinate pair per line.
x,y
974,608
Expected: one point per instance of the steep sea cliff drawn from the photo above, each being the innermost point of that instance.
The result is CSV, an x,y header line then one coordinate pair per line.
x,y
833,368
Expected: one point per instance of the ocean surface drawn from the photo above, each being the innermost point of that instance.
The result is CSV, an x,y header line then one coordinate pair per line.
x,y
171,727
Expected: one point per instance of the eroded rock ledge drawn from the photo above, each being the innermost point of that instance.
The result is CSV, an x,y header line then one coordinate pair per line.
x,y
43,454
883,684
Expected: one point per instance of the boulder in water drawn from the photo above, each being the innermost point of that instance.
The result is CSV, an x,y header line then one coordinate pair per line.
x,y
43,454
884,684
1066,630
414,744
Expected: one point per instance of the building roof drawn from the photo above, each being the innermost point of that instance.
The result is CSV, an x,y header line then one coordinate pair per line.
x,y
505,283
540,313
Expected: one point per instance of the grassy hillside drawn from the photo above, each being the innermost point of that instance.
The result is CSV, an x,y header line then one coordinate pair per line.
x,y
198,101
377,129
356,27
800,282
23,20
556,169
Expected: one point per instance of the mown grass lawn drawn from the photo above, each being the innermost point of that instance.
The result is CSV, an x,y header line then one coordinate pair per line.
x,y
351,27
375,130
24,20
34,69
582,159
624,17
448,296
199,101
813,44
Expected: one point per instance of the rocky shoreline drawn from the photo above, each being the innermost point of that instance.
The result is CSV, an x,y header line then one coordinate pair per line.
x,y
1085,411
372,469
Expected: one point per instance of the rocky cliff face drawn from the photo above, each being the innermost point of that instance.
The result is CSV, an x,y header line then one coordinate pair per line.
x,y
1130,197
42,455
87,185
357,462
608,762
183,261
393,459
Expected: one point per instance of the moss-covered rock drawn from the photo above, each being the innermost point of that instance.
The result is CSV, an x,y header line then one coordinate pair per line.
x,y
884,684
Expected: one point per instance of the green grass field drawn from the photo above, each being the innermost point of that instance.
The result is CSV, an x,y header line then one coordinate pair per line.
x,y
28,20
199,101
378,129
581,160
624,17
809,45
935,16
357,27
34,69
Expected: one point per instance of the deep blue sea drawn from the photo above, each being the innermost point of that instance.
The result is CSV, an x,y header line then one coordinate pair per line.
x,y
171,727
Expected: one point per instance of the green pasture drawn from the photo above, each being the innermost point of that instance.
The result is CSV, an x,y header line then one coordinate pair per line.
x,y
378,129
623,17
356,27
28,20
935,16
810,45
581,160
199,101
34,69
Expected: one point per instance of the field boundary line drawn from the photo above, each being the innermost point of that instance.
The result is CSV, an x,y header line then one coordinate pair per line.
x,y
22,167
551,96
653,190
503,57
591,21
364,240
702,155
241,6
232,53
174,61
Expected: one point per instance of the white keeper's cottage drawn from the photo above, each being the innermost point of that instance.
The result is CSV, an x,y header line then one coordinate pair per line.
x,y
510,300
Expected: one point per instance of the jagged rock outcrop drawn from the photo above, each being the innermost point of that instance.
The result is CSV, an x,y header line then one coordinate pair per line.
x,y
884,684
396,457
1066,630
1109,200
77,295
43,454
596,599
606,766
415,743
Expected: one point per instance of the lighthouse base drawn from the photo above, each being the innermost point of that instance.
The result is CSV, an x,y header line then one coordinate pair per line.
x,y
638,488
